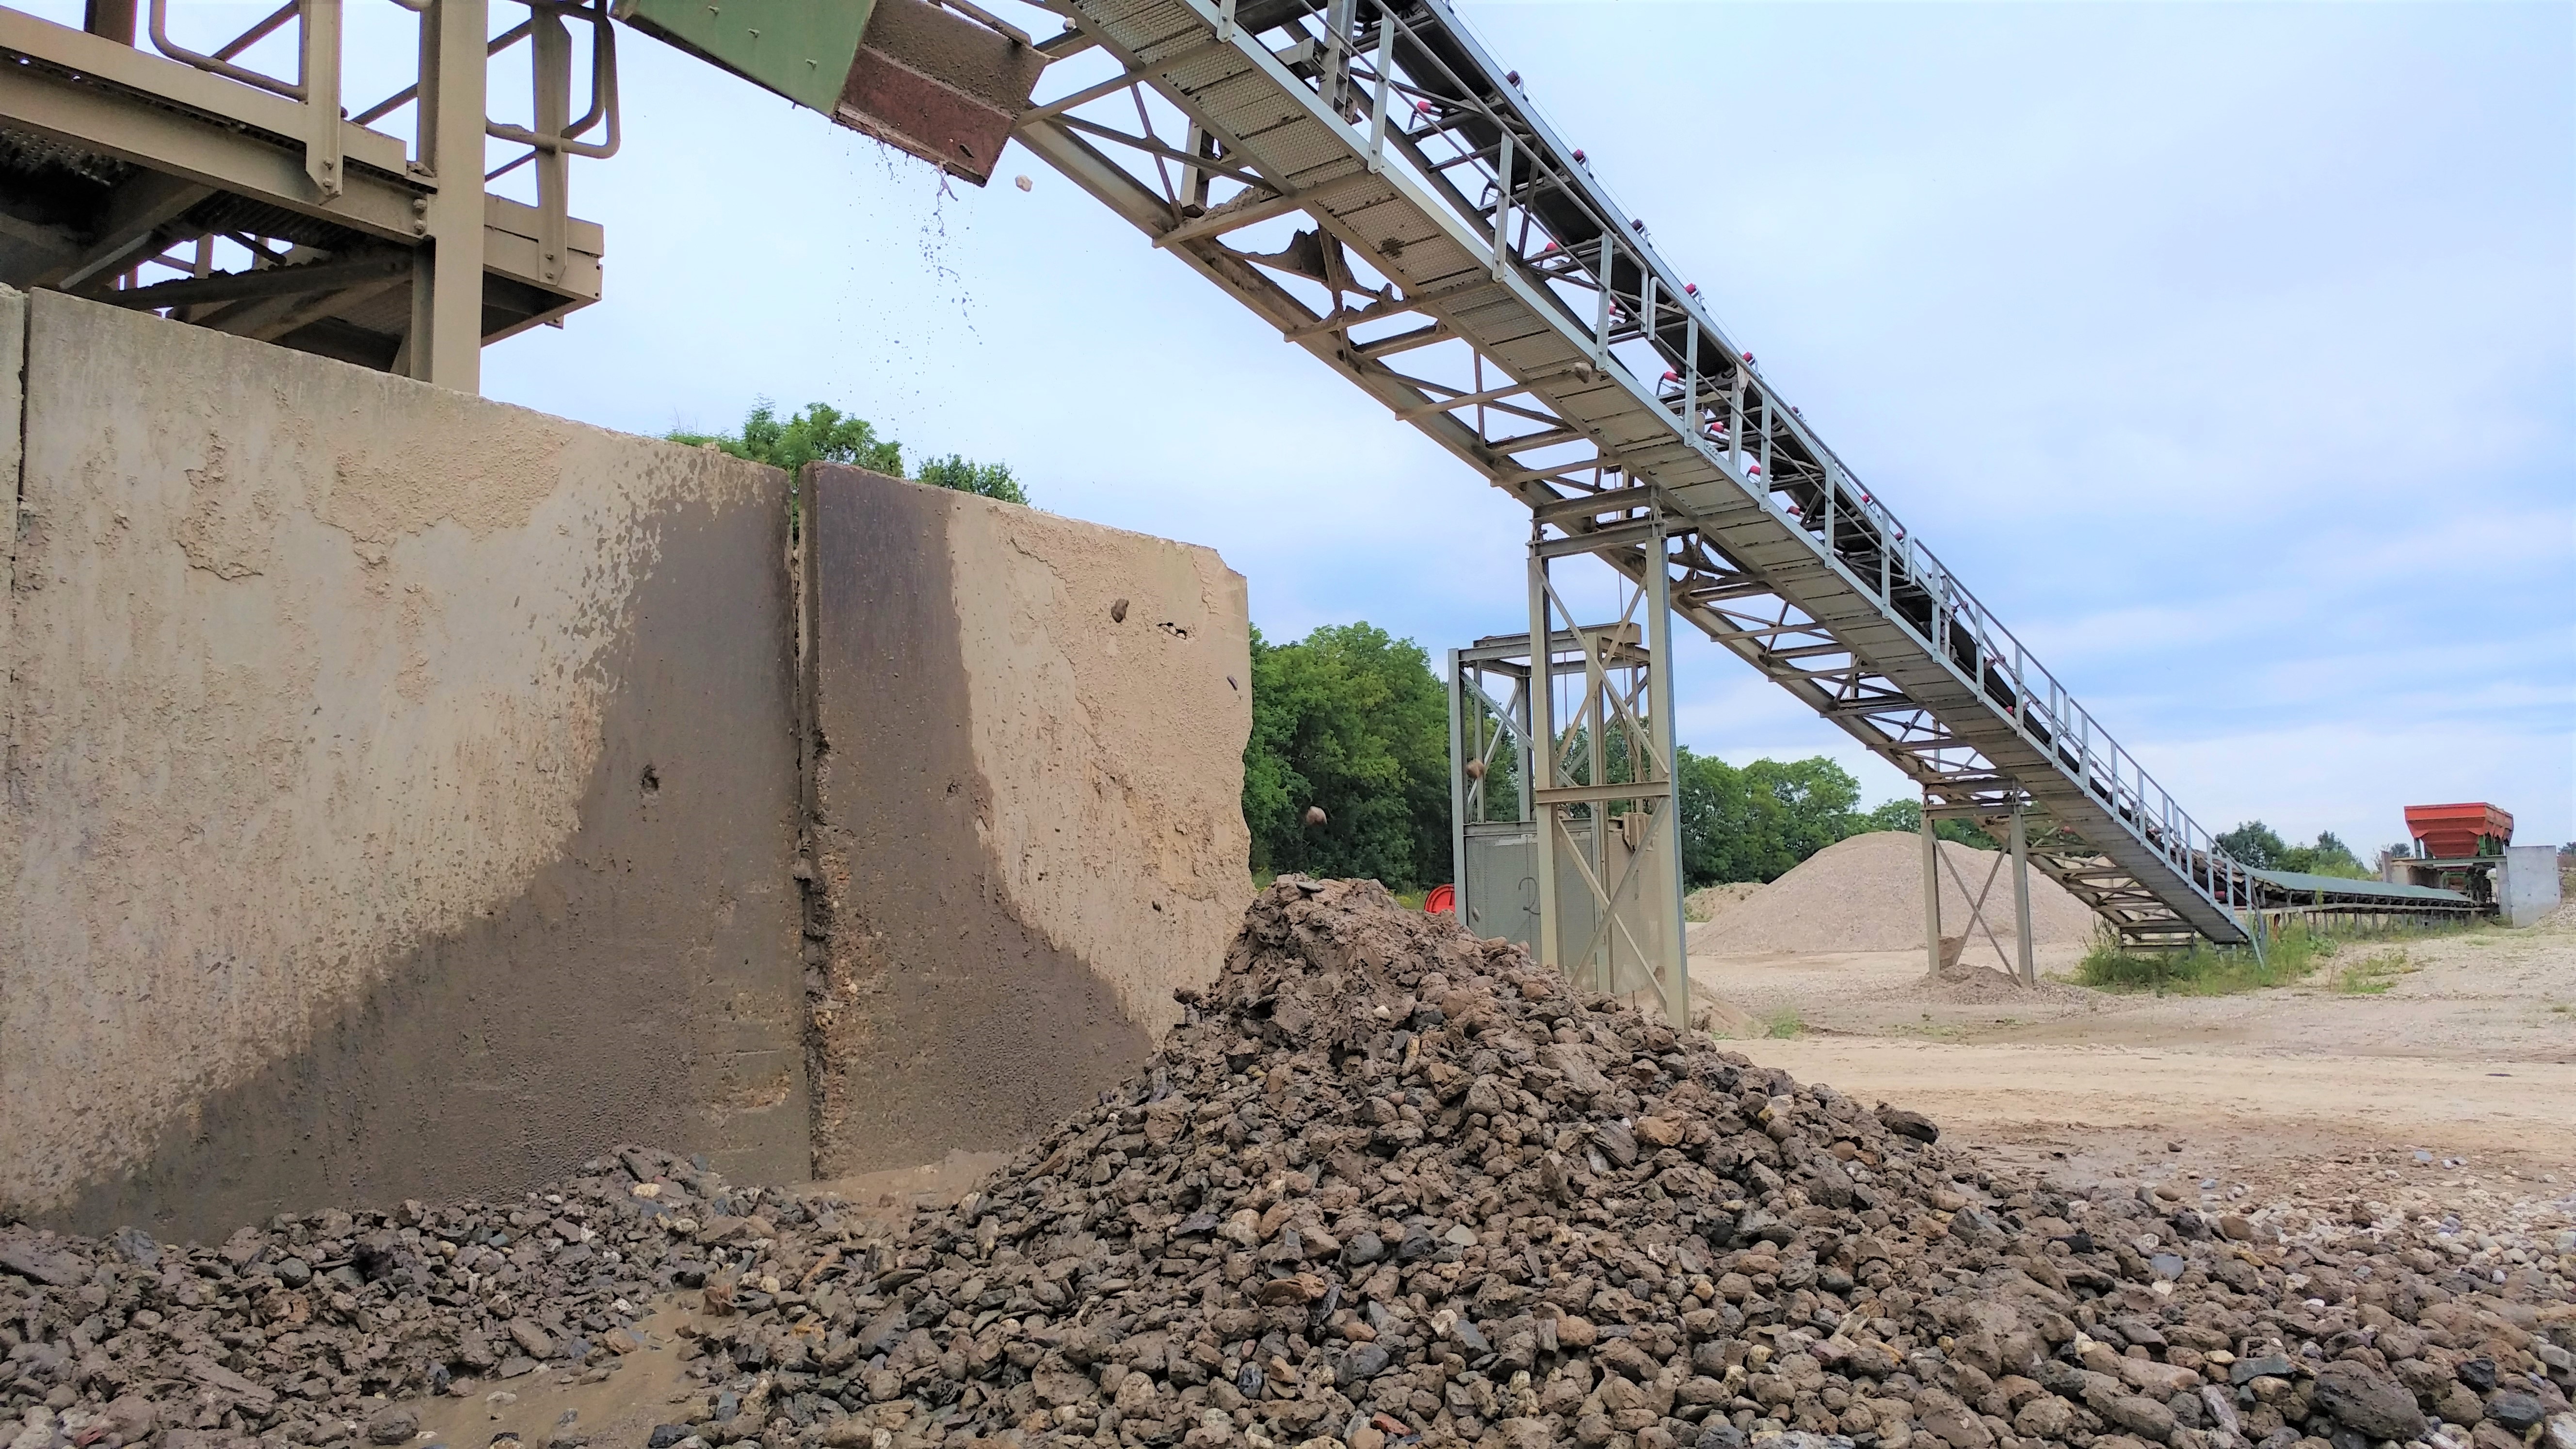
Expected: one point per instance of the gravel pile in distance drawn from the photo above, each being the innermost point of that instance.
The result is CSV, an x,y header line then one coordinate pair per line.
x,y
1712,901
1866,894
1387,1185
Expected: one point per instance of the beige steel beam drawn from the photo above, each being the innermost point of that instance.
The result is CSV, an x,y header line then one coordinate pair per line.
x,y
477,267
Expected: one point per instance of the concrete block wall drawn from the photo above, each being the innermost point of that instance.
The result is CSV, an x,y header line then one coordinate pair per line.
x,y
2527,884
408,795
401,790
1026,781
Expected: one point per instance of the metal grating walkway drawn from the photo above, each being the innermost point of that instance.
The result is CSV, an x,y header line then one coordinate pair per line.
x,y
1370,182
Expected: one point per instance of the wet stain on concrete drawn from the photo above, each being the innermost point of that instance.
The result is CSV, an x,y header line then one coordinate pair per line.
x,y
941,1020
643,988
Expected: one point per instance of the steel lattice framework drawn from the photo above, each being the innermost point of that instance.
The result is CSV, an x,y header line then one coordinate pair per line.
x,y
1444,250
1365,178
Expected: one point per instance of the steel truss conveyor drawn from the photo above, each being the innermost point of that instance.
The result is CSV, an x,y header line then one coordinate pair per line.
x,y
1371,183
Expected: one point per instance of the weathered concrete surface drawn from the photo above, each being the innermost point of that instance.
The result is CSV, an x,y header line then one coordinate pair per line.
x,y
1027,815
400,790
2527,884
13,357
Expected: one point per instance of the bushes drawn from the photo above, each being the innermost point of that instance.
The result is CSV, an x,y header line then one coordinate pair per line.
x,y
2258,845
1353,722
2206,970
1758,821
824,434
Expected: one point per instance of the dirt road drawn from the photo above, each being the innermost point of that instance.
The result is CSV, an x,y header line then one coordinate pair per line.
x,y
2458,1078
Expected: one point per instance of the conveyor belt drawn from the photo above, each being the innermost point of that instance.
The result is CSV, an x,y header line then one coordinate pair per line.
x,y
1341,170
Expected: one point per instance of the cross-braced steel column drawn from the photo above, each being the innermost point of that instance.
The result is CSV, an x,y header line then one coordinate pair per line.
x,y
2021,891
1543,755
1667,819
1931,891
1606,843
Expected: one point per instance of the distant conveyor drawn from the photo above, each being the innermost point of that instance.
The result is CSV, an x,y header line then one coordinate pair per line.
x,y
1367,180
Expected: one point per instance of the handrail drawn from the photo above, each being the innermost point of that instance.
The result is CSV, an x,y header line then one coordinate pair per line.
x,y
604,94
220,63
603,91
1525,162
261,31
398,99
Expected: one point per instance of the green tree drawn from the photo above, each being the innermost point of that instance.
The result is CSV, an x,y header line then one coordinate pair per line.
x,y
2256,844
1759,821
820,434
2328,856
1907,816
2260,846
1352,721
1716,820
824,434
1815,797
984,480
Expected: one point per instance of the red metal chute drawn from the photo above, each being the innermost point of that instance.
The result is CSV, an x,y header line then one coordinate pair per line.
x,y
2459,832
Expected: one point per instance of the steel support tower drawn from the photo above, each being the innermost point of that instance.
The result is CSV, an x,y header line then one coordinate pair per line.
x,y
1576,849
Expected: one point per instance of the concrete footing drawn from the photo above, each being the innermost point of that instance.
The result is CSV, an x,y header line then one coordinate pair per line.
x,y
2527,884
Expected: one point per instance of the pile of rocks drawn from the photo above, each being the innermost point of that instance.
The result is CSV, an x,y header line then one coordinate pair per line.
x,y
1392,1184
301,1331
1386,1185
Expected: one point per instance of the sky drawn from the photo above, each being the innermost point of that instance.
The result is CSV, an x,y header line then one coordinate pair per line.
x,y
2226,351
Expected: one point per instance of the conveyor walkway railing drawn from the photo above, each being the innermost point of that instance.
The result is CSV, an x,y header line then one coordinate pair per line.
x,y
1366,179
1363,177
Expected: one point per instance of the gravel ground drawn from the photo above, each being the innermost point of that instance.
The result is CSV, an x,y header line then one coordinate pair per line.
x,y
1387,1185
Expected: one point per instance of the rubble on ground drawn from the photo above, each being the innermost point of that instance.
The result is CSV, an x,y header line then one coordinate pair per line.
x,y
1387,1185
298,1332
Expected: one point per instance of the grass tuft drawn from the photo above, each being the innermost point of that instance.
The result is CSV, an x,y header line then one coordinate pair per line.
x,y
1784,1024
2373,975
2204,970
2291,955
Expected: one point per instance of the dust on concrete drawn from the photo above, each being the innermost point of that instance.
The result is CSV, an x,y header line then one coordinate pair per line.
x,y
490,1058
219,838
1108,733
404,461
943,1018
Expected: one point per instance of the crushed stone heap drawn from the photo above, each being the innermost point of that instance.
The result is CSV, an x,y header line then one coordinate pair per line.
x,y
1386,1185
296,1333
1389,1183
